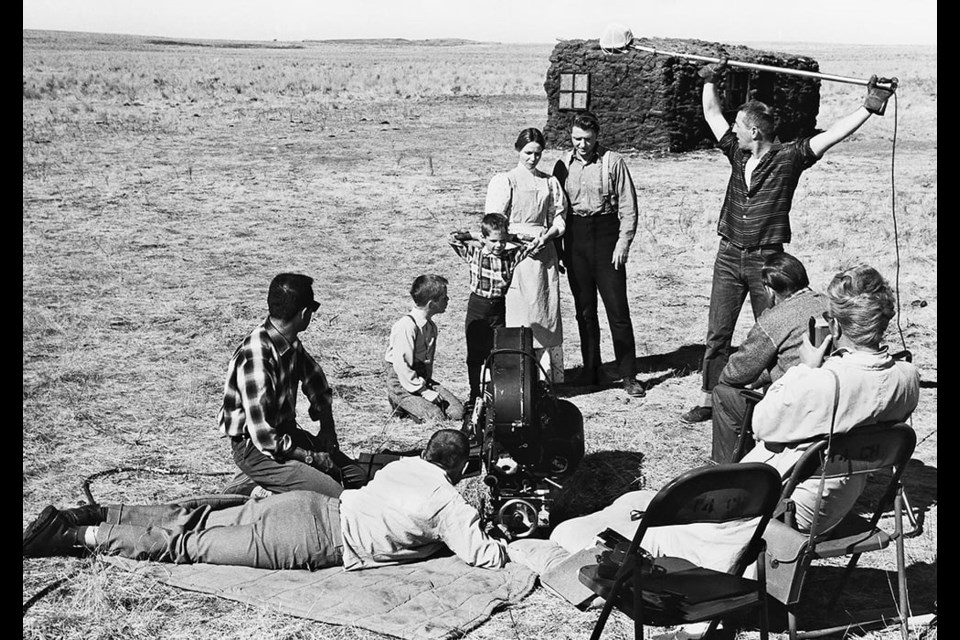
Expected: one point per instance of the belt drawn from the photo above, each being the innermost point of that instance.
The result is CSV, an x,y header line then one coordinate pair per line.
x,y
777,246
239,438
590,216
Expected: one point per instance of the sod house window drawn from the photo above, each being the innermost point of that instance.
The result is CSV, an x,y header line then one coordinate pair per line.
x,y
736,88
574,90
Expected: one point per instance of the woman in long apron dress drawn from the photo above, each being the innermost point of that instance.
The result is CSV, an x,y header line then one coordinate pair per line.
x,y
537,207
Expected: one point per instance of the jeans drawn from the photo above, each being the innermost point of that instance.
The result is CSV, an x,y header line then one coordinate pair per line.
x,y
293,475
729,411
588,248
448,406
483,316
736,272
295,530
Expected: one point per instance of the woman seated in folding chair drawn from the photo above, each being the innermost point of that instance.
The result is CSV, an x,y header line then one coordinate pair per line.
x,y
858,383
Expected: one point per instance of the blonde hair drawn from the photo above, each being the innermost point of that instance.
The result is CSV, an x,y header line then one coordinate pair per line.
x,y
863,303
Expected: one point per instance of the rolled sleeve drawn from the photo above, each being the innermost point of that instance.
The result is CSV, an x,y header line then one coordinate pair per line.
x,y
626,200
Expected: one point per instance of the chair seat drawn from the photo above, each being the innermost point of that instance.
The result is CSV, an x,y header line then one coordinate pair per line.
x,y
871,540
853,535
678,591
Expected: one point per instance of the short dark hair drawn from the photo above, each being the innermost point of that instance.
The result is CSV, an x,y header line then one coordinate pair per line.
x,y
289,294
494,222
587,121
448,448
863,303
783,273
760,115
527,136
427,287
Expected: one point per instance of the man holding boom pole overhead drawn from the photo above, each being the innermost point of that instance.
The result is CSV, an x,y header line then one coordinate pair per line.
x,y
755,217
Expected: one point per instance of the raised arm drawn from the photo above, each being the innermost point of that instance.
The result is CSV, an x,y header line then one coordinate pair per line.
x,y
874,103
712,109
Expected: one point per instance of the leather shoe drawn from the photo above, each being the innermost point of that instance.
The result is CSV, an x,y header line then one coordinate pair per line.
x,y
634,387
87,515
50,535
698,414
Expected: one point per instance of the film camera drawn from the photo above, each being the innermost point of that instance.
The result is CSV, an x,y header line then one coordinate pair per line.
x,y
818,329
524,440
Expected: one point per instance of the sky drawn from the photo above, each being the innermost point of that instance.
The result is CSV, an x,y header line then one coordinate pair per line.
x,y
884,22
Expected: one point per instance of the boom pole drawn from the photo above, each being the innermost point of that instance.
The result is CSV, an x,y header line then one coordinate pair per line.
x,y
754,66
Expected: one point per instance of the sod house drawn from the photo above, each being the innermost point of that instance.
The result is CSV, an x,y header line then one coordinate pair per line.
x,y
652,102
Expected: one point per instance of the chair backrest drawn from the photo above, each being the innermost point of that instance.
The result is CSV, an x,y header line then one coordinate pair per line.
x,y
864,449
715,493
718,493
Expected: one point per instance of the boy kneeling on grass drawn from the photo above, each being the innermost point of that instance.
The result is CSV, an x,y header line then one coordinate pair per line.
x,y
411,389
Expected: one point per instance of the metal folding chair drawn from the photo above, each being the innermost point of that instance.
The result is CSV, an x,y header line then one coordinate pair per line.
x,y
672,591
882,447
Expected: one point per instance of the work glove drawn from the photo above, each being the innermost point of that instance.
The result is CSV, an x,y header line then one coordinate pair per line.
x,y
709,72
877,96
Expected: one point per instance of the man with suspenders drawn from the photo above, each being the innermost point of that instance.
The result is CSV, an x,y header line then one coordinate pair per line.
x,y
600,229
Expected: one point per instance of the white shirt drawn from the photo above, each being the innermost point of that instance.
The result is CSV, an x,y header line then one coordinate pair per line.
x,y
873,388
409,511
412,349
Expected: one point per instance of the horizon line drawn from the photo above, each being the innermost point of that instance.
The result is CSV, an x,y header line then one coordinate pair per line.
x,y
451,38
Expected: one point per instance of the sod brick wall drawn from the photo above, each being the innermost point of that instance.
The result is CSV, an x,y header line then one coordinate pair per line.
x,y
652,102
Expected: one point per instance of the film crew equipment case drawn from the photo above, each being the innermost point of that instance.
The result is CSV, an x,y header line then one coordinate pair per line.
x,y
669,591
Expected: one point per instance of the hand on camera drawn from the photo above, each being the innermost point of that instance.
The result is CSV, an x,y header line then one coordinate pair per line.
x,y
812,355
500,532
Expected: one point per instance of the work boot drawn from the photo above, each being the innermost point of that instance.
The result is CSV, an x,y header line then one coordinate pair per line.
x,y
634,387
87,515
51,535
698,414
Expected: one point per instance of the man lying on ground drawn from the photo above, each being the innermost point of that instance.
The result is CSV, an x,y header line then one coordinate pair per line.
x,y
409,511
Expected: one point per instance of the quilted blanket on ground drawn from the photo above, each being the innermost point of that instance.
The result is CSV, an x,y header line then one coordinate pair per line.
x,y
433,599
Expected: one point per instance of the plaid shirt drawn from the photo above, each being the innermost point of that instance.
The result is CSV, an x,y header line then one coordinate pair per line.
x,y
490,275
260,393
760,215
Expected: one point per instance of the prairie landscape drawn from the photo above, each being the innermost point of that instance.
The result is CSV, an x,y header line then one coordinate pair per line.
x,y
165,183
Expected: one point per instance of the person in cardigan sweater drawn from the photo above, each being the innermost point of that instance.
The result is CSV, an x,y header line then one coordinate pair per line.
x,y
770,348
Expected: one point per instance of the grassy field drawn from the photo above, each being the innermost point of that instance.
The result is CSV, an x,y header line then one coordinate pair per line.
x,y
165,183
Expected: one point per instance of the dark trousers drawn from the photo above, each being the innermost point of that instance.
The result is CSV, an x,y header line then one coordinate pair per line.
x,y
736,272
293,475
588,249
483,316
729,411
296,530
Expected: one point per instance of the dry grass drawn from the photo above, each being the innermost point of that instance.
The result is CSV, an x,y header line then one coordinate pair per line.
x,y
158,203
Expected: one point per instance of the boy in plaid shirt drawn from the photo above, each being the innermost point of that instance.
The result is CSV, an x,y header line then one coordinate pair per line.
x,y
492,262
